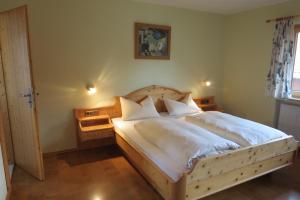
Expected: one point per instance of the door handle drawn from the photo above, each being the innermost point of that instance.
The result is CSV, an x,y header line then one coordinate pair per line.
x,y
27,95
30,96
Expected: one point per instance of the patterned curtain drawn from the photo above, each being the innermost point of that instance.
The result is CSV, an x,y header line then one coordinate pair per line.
x,y
279,78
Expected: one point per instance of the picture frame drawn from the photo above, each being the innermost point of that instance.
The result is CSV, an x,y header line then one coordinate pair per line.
x,y
152,41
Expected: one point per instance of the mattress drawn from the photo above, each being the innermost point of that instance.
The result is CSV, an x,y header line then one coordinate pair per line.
x,y
127,131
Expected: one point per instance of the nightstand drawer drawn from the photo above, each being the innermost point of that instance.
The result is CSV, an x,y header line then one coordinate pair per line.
x,y
94,135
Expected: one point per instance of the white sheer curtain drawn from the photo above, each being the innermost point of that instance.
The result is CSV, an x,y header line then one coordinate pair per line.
x,y
281,70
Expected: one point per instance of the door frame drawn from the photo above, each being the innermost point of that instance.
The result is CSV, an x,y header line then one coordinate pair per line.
x,y
3,144
5,158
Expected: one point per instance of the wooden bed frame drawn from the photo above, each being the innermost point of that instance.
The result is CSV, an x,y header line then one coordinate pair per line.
x,y
209,175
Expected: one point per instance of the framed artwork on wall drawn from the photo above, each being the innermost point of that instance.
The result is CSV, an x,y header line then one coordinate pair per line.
x,y
152,41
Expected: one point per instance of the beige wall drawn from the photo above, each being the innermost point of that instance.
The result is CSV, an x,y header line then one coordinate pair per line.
x,y
3,188
75,42
247,55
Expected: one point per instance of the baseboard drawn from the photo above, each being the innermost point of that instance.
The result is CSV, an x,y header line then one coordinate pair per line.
x,y
80,148
55,153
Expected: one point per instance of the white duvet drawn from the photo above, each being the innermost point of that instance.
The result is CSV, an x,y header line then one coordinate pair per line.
x,y
241,131
181,141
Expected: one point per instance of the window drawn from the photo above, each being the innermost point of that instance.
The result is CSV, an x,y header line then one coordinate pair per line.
x,y
296,73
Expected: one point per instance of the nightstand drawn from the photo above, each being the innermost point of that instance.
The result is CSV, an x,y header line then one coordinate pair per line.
x,y
208,104
93,129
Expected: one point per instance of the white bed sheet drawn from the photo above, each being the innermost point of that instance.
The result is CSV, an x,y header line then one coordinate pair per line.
x,y
192,118
127,131
242,131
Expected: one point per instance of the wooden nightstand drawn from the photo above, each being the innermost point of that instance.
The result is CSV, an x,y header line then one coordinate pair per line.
x,y
93,129
208,104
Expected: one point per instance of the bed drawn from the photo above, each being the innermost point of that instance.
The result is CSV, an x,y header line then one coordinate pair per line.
x,y
208,175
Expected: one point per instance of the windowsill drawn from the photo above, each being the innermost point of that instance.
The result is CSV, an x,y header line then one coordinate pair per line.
x,y
296,95
296,99
293,100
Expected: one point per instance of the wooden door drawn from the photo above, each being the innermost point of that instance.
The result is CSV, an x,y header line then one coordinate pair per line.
x,y
16,62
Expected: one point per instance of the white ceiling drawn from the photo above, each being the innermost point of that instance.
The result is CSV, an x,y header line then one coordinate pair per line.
x,y
216,6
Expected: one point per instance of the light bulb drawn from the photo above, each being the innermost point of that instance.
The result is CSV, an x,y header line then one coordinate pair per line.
x,y
207,83
92,90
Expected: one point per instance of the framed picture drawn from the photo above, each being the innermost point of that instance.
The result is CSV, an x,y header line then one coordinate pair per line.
x,y
152,41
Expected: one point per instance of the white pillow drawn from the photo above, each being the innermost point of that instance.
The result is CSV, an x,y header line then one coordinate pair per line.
x,y
187,106
132,110
188,99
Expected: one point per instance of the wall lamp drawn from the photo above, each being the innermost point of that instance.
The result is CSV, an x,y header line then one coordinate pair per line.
x,y
91,89
206,83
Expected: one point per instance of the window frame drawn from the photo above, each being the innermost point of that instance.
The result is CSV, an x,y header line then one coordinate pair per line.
x,y
295,94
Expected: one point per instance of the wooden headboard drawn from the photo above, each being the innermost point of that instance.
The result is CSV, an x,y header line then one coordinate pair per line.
x,y
157,92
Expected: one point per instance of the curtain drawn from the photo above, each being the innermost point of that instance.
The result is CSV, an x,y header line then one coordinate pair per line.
x,y
280,75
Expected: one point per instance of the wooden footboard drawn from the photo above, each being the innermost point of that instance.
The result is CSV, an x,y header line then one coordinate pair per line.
x,y
213,174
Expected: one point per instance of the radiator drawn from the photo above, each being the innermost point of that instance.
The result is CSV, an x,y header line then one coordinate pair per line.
x,y
289,119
